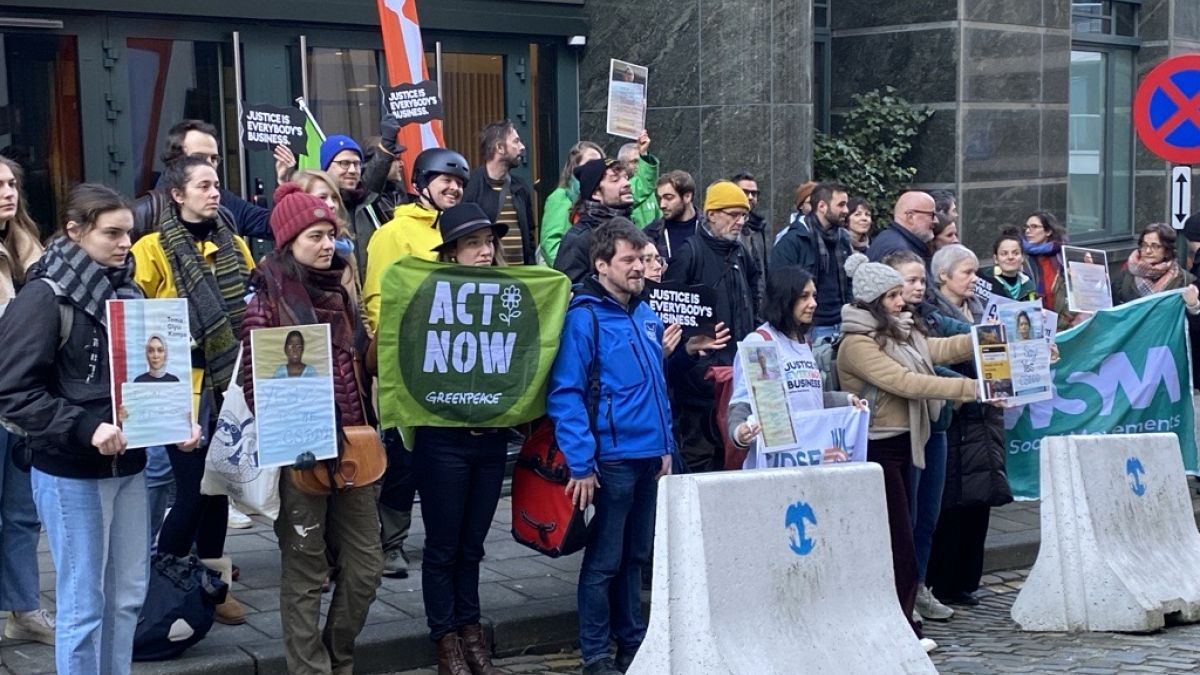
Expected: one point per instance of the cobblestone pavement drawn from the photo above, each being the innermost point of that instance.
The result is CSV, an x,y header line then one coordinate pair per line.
x,y
984,640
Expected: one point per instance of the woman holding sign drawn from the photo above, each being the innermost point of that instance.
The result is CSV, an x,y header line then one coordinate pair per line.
x,y
195,255
790,303
459,473
89,488
300,284
886,357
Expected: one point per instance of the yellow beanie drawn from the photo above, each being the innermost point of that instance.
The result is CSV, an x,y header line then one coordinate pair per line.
x,y
725,195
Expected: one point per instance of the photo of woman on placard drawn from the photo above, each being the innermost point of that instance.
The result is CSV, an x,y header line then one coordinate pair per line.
x,y
156,361
1024,327
293,348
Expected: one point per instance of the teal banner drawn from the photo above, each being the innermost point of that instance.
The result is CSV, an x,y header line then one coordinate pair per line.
x,y
1126,371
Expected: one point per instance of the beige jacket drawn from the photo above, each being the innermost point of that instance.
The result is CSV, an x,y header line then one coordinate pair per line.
x,y
900,403
19,249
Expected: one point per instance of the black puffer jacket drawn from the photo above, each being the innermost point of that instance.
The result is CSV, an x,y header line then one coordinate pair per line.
x,y
58,397
975,473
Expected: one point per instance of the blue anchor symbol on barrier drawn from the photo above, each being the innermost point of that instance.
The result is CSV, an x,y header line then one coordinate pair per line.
x,y
797,513
1133,467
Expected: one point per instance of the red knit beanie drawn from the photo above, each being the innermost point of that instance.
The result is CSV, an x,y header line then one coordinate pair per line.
x,y
295,211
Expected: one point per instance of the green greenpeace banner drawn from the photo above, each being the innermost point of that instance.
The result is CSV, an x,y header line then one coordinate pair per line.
x,y
467,346
1126,371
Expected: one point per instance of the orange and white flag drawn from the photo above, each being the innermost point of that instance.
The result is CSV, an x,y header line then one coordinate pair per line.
x,y
405,55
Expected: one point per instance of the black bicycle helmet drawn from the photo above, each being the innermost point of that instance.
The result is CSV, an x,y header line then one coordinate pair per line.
x,y
438,160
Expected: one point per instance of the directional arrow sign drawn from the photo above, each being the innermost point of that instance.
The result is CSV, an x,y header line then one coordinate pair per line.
x,y
1181,195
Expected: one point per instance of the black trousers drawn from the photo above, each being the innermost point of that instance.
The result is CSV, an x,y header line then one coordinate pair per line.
x,y
194,518
956,560
459,473
895,456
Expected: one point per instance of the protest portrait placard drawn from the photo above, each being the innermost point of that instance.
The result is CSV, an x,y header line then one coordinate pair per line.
x,y
760,366
626,99
266,126
691,307
1088,287
465,346
150,358
1012,355
1126,371
294,408
414,103
828,436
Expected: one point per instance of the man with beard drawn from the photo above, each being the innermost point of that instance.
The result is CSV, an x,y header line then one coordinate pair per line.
x,y
676,197
755,234
715,257
502,195
912,226
608,328
818,243
604,194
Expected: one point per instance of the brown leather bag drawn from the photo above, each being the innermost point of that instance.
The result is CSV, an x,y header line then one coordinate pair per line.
x,y
361,461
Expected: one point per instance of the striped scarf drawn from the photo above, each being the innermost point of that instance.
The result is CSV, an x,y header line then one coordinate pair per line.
x,y
216,301
85,282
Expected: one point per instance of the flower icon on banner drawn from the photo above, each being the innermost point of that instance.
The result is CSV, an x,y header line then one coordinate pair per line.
x,y
510,299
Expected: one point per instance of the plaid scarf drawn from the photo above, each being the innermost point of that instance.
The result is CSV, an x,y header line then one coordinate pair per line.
x,y
216,301
1150,278
87,283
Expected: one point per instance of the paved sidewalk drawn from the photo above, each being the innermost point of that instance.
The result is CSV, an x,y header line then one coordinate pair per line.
x,y
528,602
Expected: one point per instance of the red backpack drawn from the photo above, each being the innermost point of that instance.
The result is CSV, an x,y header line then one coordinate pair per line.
x,y
543,517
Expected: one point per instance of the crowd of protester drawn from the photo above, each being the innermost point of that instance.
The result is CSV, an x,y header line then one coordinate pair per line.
x,y
897,302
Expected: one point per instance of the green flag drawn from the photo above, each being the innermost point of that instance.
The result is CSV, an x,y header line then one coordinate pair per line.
x,y
1126,371
311,159
463,346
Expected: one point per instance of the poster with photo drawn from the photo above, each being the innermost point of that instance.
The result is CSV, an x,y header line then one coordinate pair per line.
x,y
293,393
1012,356
626,99
768,398
150,358
1088,287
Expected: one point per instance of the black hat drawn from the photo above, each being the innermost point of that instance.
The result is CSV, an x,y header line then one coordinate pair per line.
x,y
589,174
1191,227
462,219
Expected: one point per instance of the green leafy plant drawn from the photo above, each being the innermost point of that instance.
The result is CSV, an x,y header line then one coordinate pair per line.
x,y
869,153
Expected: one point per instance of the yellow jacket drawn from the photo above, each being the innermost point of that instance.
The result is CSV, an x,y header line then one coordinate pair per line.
x,y
411,231
152,272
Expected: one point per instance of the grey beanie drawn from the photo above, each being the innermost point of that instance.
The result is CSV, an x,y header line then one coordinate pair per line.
x,y
871,280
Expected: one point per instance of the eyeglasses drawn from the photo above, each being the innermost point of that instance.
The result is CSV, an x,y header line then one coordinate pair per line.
x,y
1034,226
751,193
347,164
648,259
1150,246
931,214
736,215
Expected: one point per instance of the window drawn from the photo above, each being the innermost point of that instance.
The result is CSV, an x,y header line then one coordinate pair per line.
x,y
821,77
1101,151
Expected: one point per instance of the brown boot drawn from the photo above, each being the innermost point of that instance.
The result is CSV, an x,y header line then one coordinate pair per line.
x,y
231,612
475,648
450,656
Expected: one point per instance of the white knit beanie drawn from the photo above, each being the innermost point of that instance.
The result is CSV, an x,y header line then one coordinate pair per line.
x,y
871,280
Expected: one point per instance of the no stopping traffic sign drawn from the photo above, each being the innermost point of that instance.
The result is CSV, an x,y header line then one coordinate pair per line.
x,y
1166,110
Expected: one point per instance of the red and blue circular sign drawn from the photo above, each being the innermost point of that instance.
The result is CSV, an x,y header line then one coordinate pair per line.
x,y
1166,110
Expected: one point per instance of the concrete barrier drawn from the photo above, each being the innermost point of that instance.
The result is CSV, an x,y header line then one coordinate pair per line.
x,y
1119,547
776,571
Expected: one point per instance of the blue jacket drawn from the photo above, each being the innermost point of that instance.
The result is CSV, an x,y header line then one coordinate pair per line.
x,y
897,238
633,417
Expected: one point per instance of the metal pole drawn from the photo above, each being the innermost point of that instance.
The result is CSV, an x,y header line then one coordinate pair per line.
x,y
437,57
239,93
304,66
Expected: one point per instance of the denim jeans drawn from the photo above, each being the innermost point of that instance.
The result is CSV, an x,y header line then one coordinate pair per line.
x,y
19,530
925,499
459,473
620,538
99,539
160,485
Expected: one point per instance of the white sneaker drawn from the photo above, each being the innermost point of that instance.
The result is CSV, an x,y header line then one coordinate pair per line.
x,y
238,520
37,625
928,645
929,607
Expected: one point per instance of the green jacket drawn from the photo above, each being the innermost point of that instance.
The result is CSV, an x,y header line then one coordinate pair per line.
x,y
556,220
645,191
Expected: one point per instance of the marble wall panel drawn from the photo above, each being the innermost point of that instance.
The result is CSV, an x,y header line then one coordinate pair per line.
x,y
936,149
1001,65
1000,145
921,64
1018,12
854,14
988,211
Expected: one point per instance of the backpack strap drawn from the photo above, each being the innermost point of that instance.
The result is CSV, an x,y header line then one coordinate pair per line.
x,y
765,335
66,312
